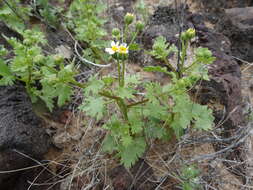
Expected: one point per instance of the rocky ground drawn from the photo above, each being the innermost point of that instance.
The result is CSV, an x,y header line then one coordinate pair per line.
x,y
62,151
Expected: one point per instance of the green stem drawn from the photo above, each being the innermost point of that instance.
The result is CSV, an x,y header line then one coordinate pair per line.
x,y
186,68
123,74
137,103
170,66
120,102
134,37
183,56
119,74
28,83
125,33
78,84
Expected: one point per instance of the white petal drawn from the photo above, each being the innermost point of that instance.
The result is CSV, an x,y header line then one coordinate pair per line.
x,y
124,44
113,44
109,50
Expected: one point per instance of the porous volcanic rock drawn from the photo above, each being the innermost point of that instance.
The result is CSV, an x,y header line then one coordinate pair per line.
x,y
237,25
21,134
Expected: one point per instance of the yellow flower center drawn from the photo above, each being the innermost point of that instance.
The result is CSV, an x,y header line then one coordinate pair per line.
x,y
122,49
115,48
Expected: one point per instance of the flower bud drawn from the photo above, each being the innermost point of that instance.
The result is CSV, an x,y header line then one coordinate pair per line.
x,y
115,32
58,58
129,18
184,36
191,33
139,26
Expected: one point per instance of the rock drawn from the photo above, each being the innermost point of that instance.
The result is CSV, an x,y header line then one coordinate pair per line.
x,y
163,22
8,32
237,25
211,5
225,74
21,133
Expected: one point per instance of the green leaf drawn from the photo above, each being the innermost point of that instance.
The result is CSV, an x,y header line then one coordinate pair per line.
x,y
156,69
132,79
134,47
154,129
136,122
203,117
94,107
124,92
108,80
161,49
64,93
94,86
48,92
204,55
7,77
130,154
127,140
109,144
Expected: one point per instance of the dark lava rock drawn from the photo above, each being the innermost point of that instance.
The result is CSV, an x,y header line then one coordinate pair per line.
x,y
138,178
212,5
20,128
237,25
21,134
225,83
164,22
5,31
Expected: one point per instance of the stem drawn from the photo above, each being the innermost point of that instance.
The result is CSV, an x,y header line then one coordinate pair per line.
x,y
28,83
125,33
184,49
170,66
186,68
137,103
123,74
134,37
119,74
120,102
78,84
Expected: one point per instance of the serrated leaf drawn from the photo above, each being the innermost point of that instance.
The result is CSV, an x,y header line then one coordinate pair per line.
x,y
64,93
7,77
203,117
156,69
94,107
127,140
109,144
136,122
94,86
154,129
132,79
125,92
134,47
47,94
129,155
108,80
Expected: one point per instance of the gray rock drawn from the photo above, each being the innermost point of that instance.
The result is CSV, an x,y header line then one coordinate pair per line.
x,y
237,25
21,133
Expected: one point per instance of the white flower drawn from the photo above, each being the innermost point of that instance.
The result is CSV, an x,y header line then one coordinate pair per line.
x,y
123,49
114,48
